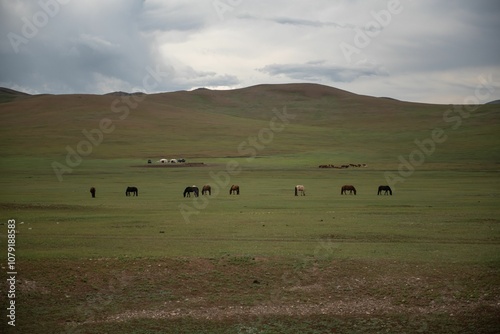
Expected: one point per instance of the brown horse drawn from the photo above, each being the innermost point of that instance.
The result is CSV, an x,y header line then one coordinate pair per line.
x,y
300,188
347,188
92,191
206,189
235,189
385,189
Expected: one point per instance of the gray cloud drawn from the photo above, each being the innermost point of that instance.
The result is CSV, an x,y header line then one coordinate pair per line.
x,y
429,51
320,71
297,21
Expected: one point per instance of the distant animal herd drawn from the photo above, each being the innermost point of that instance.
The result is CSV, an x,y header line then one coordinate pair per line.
x,y
342,166
169,161
235,190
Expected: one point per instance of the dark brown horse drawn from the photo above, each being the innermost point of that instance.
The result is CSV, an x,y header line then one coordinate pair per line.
x,y
235,189
132,191
193,189
386,189
206,189
347,188
92,191
300,188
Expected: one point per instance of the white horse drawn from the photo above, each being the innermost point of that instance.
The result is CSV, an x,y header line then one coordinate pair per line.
x,y
300,188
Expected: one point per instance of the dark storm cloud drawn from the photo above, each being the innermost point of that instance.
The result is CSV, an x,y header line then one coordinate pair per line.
x,y
94,47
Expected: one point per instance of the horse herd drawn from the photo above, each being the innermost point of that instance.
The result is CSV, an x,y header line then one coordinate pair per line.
x,y
207,190
235,190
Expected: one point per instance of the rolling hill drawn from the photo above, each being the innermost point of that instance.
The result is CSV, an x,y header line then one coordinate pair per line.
x,y
325,125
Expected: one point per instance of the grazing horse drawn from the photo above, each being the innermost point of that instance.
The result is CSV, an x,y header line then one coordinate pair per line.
x,y
192,189
385,189
132,190
300,188
347,188
206,189
92,191
234,189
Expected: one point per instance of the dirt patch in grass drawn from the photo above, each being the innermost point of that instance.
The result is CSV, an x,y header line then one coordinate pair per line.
x,y
172,165
248,294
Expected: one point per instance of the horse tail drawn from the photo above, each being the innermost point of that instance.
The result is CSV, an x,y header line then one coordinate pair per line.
x,y
296,192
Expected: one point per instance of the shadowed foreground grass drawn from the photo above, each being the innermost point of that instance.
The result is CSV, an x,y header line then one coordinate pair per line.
x,y
235,294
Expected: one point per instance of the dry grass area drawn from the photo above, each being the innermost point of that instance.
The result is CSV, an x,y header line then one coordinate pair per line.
x,y
256,295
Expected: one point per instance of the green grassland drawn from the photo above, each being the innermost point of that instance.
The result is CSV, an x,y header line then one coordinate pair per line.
x,y
423,260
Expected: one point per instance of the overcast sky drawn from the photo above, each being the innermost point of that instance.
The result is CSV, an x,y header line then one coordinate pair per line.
x,y
414,50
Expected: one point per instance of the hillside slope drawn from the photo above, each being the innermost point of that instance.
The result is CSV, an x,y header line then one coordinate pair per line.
x,y
324,122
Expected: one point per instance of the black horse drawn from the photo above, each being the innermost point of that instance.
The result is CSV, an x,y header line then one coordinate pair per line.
x,y
192,189
385,189
92,191
132,191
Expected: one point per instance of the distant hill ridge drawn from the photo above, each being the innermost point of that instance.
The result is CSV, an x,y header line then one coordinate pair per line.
x,y
8,91
310,90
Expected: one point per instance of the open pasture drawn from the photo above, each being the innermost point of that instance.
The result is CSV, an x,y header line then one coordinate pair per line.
x,y
424,259
430,216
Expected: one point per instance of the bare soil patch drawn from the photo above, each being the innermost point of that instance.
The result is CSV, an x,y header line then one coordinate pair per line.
x,y
177,165
83,295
